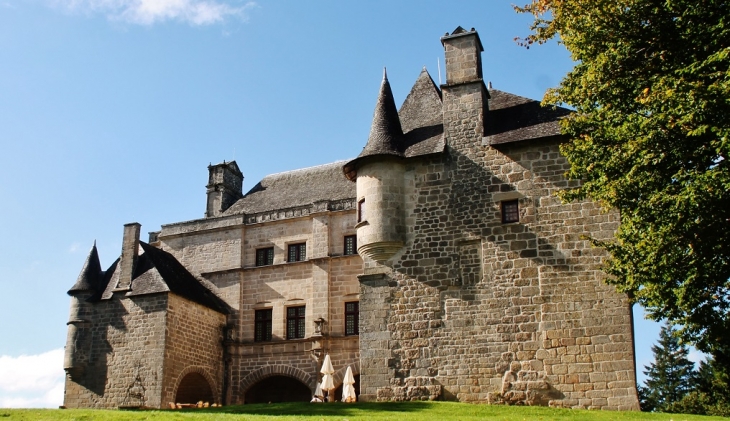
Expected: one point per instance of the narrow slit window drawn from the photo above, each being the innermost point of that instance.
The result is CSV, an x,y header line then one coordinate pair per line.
x,y
361,210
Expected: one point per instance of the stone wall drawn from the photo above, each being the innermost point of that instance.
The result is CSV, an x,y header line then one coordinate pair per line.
x,y
193,344
478,310
125,356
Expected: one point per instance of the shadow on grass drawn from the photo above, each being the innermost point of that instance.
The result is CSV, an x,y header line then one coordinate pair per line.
x,y
306,408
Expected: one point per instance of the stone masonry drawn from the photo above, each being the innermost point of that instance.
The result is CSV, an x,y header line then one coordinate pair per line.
x,y
474,282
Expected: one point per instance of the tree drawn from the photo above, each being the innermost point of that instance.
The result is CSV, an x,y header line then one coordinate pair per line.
x,y
651,139
670,377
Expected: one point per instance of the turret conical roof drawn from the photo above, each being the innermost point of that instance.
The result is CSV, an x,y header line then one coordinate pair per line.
x,y
88,279
386,134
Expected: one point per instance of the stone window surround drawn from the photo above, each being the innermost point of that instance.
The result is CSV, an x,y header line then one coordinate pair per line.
x,y
296,251
264,256
295,322
353,246
263,325
356,319
510,210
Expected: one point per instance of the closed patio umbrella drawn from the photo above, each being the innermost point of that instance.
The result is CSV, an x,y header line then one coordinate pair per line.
x,y
348,390
328,383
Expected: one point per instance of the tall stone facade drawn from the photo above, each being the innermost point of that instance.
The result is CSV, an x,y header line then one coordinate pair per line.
x,y
471,280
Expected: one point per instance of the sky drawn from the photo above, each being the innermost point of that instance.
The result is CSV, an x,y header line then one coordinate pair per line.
x,y
111,111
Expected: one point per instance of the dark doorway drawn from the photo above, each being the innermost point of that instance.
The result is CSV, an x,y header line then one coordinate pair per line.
x,y
278,389
194,388
338,391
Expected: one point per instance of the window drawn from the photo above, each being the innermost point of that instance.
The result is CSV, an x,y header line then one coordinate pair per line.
x,y
352,318
295,322
361,210
297,252
262,328
265,256
350,244
510,211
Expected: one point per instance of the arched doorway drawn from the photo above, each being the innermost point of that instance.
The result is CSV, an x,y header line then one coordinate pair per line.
x,y
338,391
278,389
194,388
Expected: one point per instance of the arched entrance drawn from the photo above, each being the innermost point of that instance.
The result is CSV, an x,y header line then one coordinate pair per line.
x,y
194,388
278,389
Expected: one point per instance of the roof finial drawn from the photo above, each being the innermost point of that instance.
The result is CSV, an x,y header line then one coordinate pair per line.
x,y
489,86
385,73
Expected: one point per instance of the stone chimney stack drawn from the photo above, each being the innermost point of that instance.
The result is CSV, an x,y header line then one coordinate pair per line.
x,y
130,249
463,56
465,98
225,186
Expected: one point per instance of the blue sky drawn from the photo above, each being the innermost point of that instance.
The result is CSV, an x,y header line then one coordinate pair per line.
x,y
111,110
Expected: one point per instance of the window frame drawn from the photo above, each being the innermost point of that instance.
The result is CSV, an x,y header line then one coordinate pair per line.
x,y
264,256
510,215
296,327
263,326
353,239
354,315
300,252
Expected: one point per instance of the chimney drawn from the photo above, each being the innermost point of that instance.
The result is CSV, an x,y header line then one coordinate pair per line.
x,y
130,247
463,56
225,186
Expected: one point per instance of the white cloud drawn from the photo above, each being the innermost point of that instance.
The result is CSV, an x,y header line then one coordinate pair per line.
x,y
148,12
32,381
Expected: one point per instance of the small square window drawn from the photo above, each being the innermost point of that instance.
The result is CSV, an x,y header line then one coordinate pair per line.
x,y
350,245
510,211
352,318
297,252
262,325
295,322
361,210
265,256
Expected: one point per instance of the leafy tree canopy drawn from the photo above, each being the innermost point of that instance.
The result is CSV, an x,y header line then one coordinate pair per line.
x,y
651,138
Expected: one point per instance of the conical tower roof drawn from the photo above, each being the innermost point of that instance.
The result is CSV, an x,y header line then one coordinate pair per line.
x,y
386,135
88,279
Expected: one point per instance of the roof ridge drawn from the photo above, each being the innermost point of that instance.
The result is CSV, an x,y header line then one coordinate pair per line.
x,y
339,163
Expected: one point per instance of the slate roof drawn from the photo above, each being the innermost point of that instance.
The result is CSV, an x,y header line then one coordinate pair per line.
x,y
386,134
512,118
417,129
295,188
158,271
91,273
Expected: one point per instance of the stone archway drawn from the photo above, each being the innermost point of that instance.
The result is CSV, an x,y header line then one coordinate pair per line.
x,y
277,383
194,384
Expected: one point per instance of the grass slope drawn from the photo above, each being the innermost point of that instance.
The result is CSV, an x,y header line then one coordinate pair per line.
x,y
402,411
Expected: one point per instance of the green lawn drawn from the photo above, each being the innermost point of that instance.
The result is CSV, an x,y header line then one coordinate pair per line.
x,y
415,411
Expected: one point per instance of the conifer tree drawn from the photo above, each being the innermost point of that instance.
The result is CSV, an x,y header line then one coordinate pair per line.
x,y
670,376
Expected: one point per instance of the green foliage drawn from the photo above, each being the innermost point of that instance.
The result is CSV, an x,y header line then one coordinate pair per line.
x,y
670,377
651,139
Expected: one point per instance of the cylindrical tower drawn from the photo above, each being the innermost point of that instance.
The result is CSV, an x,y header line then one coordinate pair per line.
x,y
76,355
381,227
379,172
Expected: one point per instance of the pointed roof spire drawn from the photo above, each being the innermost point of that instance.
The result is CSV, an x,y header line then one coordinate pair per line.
x,y
386,134
88,279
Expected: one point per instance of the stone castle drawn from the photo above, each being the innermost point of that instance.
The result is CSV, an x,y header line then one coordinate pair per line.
x,y
438,264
